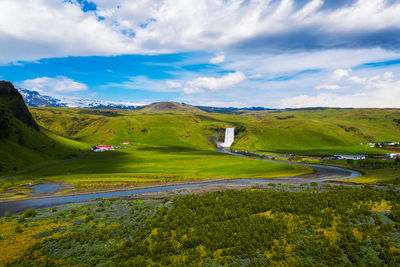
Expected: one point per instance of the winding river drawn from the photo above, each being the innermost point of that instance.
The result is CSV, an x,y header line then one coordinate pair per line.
x,y
323,173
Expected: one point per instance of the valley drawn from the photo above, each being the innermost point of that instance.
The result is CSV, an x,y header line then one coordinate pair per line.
x,y
174,143
166,171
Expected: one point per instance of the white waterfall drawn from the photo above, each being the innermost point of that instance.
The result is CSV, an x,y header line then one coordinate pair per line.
x,y
229,138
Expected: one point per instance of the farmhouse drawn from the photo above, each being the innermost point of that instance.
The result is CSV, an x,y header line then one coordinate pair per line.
x,y
102,148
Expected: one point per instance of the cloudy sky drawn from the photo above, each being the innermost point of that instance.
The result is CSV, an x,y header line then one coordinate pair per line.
x,y
270,53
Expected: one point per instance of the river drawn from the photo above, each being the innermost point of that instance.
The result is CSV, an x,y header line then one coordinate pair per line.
x,y
323,173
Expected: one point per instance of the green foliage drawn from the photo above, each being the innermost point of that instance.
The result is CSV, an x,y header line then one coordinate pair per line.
x,y
335,227
18,229
30,213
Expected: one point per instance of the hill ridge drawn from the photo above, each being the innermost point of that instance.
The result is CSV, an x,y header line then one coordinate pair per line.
x,y
169,106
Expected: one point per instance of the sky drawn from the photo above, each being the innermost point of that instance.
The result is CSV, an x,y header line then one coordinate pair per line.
x,y
226,53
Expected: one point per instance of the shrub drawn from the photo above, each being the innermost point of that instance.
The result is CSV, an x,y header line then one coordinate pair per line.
x,y
7,214
18,229
30,213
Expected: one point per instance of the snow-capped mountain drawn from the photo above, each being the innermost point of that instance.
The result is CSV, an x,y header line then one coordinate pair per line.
x,y
35,99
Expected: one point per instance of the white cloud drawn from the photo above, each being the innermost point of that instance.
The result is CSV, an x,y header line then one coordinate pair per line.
x,y
339,74
276,64
328,87
379,91
59,84
31,30
201,84
219,58
173,84
256,76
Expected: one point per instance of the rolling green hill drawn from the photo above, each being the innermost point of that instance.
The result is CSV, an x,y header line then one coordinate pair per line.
x,y
169,106
328,131
178,144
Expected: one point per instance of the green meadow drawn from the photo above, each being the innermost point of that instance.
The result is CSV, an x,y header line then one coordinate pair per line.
x,y
141,164
305,132
179,145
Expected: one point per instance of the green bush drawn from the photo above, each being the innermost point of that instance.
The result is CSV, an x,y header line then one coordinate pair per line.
x,y
18,229
30,213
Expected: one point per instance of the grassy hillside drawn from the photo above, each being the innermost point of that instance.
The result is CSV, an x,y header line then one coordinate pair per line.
x,y
319,131
22,143
164,147
169,106
301,132
175,146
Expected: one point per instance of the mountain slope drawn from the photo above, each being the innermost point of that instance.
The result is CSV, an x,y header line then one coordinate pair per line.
x,y
35,99
327,131
22,143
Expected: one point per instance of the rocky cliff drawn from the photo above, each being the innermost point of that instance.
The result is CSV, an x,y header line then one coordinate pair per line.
x,y
12,106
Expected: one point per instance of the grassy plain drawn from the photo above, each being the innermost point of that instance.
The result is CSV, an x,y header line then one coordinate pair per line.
x,y
179,145
143,164
374,171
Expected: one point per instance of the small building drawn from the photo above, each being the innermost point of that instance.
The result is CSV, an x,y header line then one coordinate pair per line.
x,y
393,155
105,147
353,157
390,143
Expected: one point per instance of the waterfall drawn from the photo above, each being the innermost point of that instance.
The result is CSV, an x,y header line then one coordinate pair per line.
x,y
229,138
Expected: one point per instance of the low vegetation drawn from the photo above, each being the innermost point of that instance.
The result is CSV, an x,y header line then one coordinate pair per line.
x,y
375,171
255,227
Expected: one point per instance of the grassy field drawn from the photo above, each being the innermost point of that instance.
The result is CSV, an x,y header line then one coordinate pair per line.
x,y
144,164
176,146
374,171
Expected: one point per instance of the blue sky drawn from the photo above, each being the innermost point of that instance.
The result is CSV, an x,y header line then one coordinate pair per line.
x,y
277,54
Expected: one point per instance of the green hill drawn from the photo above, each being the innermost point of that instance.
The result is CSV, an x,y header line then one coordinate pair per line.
x,y
169,106
328,131
179,145
22,142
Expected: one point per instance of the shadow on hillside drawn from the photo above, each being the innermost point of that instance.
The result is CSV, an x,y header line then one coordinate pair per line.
x,y
102,112
178,149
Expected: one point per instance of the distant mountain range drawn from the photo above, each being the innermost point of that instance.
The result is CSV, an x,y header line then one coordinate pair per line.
x,y
35,99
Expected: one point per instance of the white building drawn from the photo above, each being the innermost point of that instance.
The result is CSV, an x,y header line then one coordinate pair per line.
x,y
354,157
